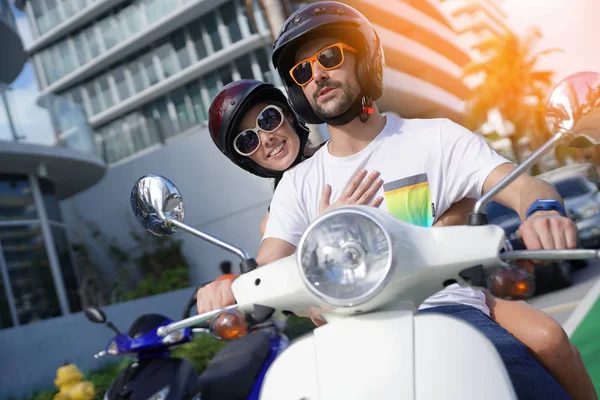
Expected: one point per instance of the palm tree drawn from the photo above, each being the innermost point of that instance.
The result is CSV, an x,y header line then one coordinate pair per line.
x,y
512,84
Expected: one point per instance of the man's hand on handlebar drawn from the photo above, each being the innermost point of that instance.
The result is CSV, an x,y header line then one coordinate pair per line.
x,y
547,230
214,296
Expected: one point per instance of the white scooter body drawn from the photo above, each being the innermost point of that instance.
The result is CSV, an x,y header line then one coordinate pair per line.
x,y
390,355
381,349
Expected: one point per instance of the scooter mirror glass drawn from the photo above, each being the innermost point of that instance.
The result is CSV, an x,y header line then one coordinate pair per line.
x,y
95,315
573,109
155,200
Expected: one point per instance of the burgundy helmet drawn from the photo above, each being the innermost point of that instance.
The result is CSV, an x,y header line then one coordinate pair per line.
x,y
227,111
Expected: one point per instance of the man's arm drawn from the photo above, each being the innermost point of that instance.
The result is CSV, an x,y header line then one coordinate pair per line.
x,y
542,229
522,192
471,168
273,249
457,214
285,224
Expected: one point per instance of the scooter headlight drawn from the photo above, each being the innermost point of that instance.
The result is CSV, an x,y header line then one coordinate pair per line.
x,y
174,337
345,257
113,348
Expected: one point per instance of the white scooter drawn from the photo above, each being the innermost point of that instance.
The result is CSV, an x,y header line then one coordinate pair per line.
x,y
365,273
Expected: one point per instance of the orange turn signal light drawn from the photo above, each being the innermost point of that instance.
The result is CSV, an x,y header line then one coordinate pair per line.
x,y
511,283
229,325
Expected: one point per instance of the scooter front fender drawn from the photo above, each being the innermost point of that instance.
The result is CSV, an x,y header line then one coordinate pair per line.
x,y
390,355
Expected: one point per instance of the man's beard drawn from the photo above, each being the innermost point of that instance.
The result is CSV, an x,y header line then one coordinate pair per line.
x,y
336,106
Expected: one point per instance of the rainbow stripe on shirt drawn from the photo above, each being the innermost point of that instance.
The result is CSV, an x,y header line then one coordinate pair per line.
x,y
409,199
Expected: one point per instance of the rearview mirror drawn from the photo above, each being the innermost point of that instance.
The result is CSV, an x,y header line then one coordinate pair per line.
x,y
95,315
573,110
155,201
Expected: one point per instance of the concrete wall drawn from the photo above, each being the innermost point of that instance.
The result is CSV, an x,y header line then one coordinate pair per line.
x,y
219,197
30,354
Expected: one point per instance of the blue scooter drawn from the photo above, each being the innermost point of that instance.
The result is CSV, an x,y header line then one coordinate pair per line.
x,y
235,373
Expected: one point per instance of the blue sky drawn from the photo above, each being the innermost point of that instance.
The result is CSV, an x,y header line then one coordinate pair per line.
x,y
31,121
26,78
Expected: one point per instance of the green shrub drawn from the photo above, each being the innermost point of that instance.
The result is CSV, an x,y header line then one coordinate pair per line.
x,y
103,377
168,281
199,351
47,394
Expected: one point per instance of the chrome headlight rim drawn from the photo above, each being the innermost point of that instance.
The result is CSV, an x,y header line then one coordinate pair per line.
x,y
376,289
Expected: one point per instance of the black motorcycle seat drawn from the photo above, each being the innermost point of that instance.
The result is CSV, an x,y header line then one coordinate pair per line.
x,y
231,374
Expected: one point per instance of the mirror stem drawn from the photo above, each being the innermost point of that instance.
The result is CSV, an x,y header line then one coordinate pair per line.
x,y
211,239
113,327
534,158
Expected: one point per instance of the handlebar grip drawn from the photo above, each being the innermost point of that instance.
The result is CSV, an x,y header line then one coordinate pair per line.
x,y
514,244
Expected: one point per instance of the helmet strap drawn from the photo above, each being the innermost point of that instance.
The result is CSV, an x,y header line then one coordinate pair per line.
x,y
347,116
367,109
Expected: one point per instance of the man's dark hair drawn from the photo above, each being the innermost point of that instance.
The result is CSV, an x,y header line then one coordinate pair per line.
x,y
226,267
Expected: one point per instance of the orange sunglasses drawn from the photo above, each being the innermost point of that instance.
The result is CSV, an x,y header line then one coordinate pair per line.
x,y
328,58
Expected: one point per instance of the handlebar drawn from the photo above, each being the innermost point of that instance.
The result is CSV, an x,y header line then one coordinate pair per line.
x,y
192,321
514,245
515,249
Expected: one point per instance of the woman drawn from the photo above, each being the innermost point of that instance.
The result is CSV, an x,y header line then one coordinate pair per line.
x,y
253,125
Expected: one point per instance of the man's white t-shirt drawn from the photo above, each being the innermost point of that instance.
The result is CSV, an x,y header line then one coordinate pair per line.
x,y
426,166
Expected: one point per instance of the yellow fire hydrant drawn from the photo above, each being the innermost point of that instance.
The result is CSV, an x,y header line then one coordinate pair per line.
x,y
69,381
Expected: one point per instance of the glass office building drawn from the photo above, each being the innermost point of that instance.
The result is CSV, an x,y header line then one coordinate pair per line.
x,y
144,70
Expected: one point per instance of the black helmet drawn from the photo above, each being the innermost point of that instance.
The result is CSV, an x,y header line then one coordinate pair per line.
x,y
228,109
330,18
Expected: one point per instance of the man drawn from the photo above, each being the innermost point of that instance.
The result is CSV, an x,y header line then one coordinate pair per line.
x,y
331,61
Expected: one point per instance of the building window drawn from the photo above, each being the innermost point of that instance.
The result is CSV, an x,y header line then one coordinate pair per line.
x,y
148,66
16,198
210,24
263,62
177,112
111,32
153,10
244,67
195,30
92,41
136,76
225,75
67,269
105,92
210,81
80,48
185,116
121,83
179,45
93,97
29,273
130,20
24,263
68,58
167,57
229,16
195,94
68,8
5,315
52,12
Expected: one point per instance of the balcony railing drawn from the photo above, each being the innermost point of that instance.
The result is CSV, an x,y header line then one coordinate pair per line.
x,y
56,122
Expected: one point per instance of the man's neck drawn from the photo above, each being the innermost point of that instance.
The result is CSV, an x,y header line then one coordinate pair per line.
x,y
351,138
